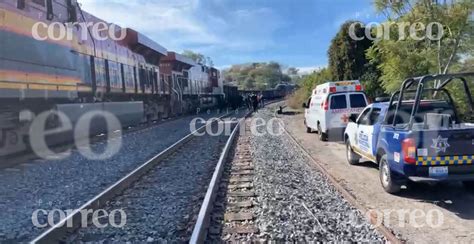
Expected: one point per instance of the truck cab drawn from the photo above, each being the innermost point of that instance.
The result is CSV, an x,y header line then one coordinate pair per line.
x,y
328,109
422,138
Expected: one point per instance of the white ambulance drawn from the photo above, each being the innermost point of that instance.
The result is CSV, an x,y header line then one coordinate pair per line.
x,y
330,106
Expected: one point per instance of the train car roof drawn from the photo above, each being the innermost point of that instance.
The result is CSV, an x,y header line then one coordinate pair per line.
x,y
135,38
145,41
172,56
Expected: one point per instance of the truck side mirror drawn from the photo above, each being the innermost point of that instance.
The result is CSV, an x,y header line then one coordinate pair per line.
x,y
304,105
353,118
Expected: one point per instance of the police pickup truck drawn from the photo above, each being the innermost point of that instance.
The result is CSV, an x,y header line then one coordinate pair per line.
x,y
421,138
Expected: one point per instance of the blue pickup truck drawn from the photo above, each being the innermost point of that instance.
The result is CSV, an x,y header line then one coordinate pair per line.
x,y
419,134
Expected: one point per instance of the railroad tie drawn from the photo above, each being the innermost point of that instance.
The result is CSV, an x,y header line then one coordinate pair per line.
x,y
242,172
240,179
241,216
238,210
243,167
241,230
243,204
242,194
245,185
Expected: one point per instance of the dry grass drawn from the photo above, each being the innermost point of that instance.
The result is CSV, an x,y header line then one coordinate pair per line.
x,y
297,99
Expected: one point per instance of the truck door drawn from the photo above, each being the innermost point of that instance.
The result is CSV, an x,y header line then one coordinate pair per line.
x,y
366,129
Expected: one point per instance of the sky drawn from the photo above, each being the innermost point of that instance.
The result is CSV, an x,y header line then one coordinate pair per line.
x,y
295,33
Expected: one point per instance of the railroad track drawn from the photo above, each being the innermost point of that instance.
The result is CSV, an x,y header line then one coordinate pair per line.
x,y
142,186
232,212
230,216
67,184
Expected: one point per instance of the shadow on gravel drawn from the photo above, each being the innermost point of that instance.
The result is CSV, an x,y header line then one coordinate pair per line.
x,y
367,164
450,196
290,113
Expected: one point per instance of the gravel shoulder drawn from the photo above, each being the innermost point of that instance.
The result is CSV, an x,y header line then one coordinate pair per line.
x,y
296,203
453,201
68,183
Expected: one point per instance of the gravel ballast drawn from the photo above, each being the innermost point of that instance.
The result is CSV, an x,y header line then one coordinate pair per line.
x,y
296,202
164,204
69,183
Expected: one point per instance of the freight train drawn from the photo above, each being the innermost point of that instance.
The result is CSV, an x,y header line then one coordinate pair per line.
x,y
56,57
235,97
280,91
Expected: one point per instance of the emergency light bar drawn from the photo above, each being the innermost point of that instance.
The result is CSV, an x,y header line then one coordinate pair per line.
x,y
340,86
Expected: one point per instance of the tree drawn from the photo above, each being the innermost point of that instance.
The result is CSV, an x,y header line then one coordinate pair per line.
x,y
258,76
249,83
292,71
286,78
371,81
347,58
198,58
404,57
307,84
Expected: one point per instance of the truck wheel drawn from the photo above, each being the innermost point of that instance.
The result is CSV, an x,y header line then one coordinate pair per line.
x,y
322,136
308,130
386,177
352,158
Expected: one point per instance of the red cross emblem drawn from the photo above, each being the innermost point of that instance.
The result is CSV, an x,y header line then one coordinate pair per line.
x,y
345,118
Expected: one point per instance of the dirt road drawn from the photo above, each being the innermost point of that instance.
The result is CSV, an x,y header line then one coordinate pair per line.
x,y
441,213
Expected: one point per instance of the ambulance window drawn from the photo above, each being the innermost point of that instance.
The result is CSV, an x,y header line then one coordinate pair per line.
x,y
357,101
338,102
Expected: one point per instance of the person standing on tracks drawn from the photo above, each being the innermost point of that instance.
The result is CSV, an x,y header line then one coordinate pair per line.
x,y
255,102
260,100
248,102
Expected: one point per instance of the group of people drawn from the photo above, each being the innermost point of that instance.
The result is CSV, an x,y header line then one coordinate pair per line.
x,y
254,101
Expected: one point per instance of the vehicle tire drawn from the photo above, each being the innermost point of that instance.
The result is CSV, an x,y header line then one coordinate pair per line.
x,y
322,136
352,157
308,130
386,177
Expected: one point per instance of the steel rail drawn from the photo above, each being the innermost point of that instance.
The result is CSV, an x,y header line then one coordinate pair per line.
x,y
202,224
61,229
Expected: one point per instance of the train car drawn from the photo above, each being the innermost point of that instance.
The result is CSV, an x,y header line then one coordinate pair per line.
x,y
233,99
204,90
281,91
56,57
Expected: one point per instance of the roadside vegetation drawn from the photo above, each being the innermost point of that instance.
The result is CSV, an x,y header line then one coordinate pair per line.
x,y
381,64
258,76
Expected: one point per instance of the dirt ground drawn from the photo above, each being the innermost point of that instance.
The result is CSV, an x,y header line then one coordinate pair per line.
x,y
441,213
